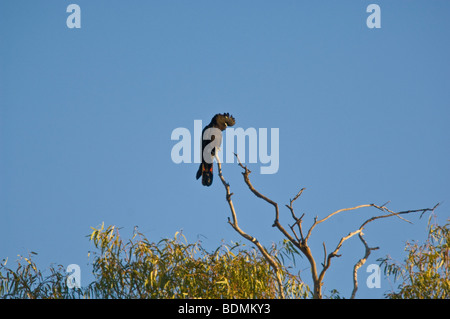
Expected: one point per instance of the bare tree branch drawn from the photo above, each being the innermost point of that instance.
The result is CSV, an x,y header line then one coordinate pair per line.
x,y
359,264
299,240
391,213
316,222
268,200
360,229
324,254
298,221
252,239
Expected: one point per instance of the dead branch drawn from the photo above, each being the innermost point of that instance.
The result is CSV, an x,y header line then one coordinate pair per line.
x,y
317,222
360,229
252,239
360,263
276,222
298,221
301,241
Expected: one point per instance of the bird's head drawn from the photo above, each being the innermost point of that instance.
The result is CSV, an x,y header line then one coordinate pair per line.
x,y
222,121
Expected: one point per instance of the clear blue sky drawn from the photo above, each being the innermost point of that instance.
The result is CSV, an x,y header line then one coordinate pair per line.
x,y
86,117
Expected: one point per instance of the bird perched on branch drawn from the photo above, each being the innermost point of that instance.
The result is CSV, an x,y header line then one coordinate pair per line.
x,y
211,140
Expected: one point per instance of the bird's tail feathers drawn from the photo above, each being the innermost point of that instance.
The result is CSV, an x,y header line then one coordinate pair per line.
x,y
206,172
199,172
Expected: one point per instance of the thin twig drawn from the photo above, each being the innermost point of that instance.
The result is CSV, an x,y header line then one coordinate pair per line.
x,y
316,222
298,221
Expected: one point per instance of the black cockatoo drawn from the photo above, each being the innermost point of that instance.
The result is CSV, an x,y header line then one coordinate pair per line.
x,y
211,139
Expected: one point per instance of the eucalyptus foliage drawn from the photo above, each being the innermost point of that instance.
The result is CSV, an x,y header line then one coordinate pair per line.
x,y
425,272
170,268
